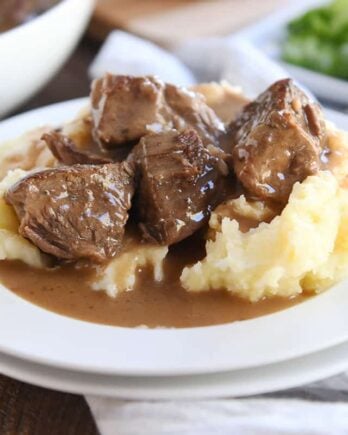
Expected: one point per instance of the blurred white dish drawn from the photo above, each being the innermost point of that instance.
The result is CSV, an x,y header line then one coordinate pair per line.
x,y
267,36
31,53
323,86
35,334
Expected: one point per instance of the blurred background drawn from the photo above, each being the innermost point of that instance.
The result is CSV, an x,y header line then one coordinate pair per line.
x,y
247,42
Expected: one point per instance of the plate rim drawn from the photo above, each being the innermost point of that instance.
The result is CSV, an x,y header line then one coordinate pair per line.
x,y
261,380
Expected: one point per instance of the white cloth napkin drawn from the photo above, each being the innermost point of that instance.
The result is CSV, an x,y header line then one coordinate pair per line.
x,y
317,409
211,59
123,53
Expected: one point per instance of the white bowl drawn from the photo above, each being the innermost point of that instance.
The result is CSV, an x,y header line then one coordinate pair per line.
x,y
30,54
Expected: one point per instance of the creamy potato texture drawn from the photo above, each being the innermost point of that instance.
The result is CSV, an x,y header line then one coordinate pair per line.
x,y
26,152
120,274
304,249
12,245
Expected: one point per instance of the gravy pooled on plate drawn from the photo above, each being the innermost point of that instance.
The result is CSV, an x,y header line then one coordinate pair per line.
x,y
151,303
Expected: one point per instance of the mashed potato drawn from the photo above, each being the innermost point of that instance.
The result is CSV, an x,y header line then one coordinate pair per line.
x,y
224,99
249,214
26,152
12,245
120,274
338,144
303,249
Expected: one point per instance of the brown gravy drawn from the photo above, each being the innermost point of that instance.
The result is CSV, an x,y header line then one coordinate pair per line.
x,y
66,291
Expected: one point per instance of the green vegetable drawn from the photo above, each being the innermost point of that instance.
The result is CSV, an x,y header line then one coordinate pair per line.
x,y
318,40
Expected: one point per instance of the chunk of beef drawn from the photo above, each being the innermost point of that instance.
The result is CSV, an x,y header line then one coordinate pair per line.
x,y
123,106
188,109
65,150
74,144
75,212
278,141
180,182
126,108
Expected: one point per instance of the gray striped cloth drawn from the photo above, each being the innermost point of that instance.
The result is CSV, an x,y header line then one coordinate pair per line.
x,y
320,408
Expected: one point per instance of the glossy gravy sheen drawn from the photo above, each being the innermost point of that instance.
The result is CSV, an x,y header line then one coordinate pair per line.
x,y
67,291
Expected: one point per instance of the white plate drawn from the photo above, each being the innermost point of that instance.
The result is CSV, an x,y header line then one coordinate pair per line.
x,y
259,380
267,36
32,333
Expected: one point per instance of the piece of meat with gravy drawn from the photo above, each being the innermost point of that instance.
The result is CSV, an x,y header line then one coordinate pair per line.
x,y
65,150
180,182
76,212
277,140
188,109
125,108
74,144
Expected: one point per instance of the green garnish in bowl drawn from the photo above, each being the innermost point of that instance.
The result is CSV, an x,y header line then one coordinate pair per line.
x,y
318,40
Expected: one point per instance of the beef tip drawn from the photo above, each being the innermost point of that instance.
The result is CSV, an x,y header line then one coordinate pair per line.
x,y
126,108
278,140
123,106
189,109
74,144
180,182
65,150
75,212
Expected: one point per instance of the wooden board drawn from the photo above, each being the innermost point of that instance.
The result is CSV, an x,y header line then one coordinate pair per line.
x,y
29,410
172,22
